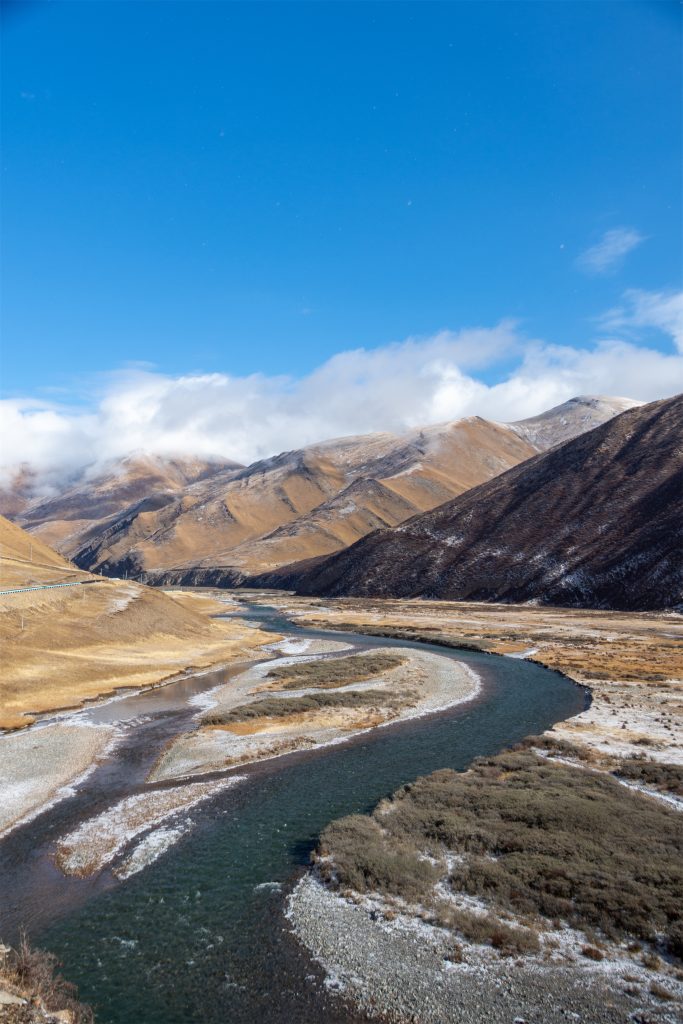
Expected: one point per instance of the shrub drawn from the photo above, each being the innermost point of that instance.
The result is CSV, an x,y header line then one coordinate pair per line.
x,y
329,673
534,837
665,777
364,860
34,971
661,992
280,707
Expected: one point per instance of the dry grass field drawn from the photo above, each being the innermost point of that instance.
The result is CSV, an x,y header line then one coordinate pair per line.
x,y
632,662
61,647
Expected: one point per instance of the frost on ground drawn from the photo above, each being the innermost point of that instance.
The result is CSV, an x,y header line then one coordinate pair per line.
x,y
401,968
99,839
150,848
298,646
39,766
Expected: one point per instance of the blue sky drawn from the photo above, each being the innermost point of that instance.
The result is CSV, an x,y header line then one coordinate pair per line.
x,y
251,188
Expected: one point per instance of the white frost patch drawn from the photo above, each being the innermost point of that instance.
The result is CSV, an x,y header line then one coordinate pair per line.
x,y
666,798
289,646
150,849
45,764
98,840
124,598
523,654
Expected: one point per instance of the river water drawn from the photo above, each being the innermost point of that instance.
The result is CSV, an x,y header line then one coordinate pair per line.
x,y
200,937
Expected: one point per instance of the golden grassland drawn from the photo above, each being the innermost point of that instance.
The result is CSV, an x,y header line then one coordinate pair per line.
x,y
632,662
61,647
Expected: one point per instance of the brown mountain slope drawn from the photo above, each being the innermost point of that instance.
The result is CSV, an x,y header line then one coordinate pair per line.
x,y
384,480
300,504
595,522
25,559
61,646
65,519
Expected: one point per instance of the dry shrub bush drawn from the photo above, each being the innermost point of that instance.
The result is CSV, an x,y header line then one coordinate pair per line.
x,y
536,838
279,707
34,972
486,929
555,745
666,777
368,861
329,673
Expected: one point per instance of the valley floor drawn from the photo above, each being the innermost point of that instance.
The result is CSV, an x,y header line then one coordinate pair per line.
x,y
386,951
67,648
396,956
631,662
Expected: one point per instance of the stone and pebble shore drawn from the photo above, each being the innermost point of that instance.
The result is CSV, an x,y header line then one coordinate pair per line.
x,y
400,971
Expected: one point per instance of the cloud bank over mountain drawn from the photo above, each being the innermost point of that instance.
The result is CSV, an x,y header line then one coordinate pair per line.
x,y
395,387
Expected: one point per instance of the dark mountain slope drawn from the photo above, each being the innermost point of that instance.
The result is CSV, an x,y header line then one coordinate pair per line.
x,y
595,522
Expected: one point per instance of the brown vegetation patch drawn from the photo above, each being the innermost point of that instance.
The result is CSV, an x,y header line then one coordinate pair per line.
x,y
329,673
274,707
533,838
33,974
668,778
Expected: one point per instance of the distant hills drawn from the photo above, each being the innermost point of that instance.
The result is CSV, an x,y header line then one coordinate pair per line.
x,y
201,521
596,522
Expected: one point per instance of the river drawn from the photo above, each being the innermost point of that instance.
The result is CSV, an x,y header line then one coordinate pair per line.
x,y
200,937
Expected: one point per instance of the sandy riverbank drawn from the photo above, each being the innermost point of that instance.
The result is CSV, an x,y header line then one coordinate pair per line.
x,y
41,765
421,684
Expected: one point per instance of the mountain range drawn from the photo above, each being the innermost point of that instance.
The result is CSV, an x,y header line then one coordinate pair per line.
x,y
595,522
215,522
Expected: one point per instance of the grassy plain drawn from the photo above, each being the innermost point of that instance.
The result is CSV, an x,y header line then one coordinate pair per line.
x,y
63,646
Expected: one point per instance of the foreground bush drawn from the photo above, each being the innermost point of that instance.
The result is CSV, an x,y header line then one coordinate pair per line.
x,y
34,973
534,838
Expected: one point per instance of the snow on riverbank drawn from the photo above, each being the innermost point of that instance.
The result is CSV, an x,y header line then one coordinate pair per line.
x,y
99,839
42,765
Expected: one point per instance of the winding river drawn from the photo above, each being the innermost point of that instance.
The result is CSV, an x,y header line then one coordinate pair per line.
x,y
200,937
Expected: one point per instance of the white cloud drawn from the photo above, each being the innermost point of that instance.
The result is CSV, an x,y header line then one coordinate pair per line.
x,y
394,388
609,253
662,311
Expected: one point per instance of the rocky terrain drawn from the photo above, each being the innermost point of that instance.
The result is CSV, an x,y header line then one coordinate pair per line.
x,y
197,522
595,522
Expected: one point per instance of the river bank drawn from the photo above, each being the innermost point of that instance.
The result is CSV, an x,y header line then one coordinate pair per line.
x,y
392,955
63,648
632,663
421,684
